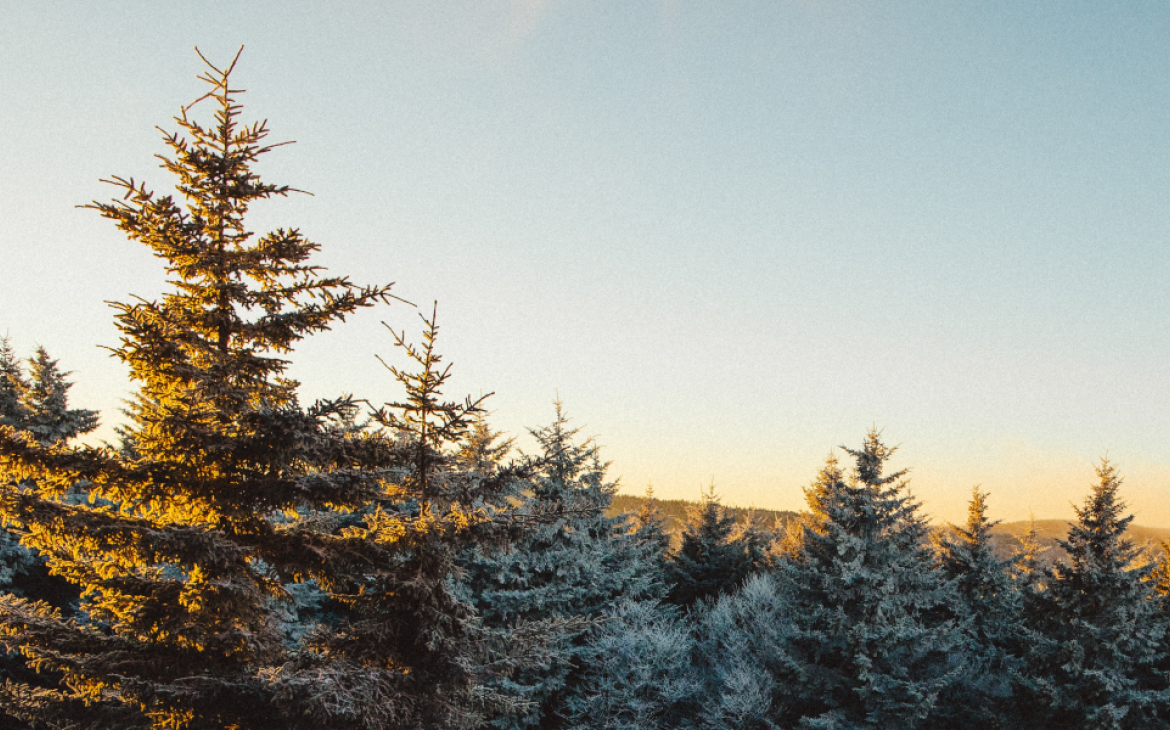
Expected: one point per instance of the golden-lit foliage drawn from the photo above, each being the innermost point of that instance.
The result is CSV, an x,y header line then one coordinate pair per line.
x,y
220,493
227,499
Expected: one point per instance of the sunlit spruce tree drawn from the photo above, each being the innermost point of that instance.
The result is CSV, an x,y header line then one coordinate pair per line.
x,y
1028,567
649,525
868,642
178,552
1097,641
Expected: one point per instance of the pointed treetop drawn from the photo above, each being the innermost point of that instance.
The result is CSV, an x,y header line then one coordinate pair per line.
x,y
1097,541
46,402
871,460
12,386
977,531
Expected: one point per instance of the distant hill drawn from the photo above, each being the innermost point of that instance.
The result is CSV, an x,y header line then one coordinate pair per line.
x,y
1006,536
1048,532
675,512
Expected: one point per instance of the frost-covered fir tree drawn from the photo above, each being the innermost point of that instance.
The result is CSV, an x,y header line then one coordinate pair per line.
x,y
12,386
48,416
987,609
35,405
637,672
868,643
1097,640
714,557
573,566
743,657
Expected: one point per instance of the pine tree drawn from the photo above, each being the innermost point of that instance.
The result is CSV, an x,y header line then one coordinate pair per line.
x,y
638,673
648,526
48,416
988,610
868,644
483,450
1097,637
574,564
1029,561
35,405
13,385
711,561
743,657
179,554
1160,574
412,616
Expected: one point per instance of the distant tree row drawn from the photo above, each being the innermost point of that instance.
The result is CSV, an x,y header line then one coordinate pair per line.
x,y
241,560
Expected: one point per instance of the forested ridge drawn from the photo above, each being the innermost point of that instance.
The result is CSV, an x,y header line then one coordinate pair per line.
x,y
239,559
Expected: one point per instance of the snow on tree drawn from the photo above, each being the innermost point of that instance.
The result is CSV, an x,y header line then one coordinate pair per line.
x,y
638,673
867,645
13,386
1097,640
573,566
743,657
48,416
988,611
714,557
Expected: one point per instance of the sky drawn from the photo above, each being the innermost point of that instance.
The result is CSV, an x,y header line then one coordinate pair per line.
x,y
730,237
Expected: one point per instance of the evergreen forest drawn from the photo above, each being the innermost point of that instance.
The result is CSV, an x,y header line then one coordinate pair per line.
x,y
241,559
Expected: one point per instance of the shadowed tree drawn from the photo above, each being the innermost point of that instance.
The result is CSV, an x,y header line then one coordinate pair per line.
x,y
571,568
868,643
987,609
711,561
1097,638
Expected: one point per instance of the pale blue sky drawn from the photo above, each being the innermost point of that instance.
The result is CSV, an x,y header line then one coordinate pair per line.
x,y
731,236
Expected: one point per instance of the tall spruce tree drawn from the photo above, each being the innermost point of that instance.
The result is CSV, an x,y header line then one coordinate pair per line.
x,y
987,609
1097,641
869,641
180,555
571,567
